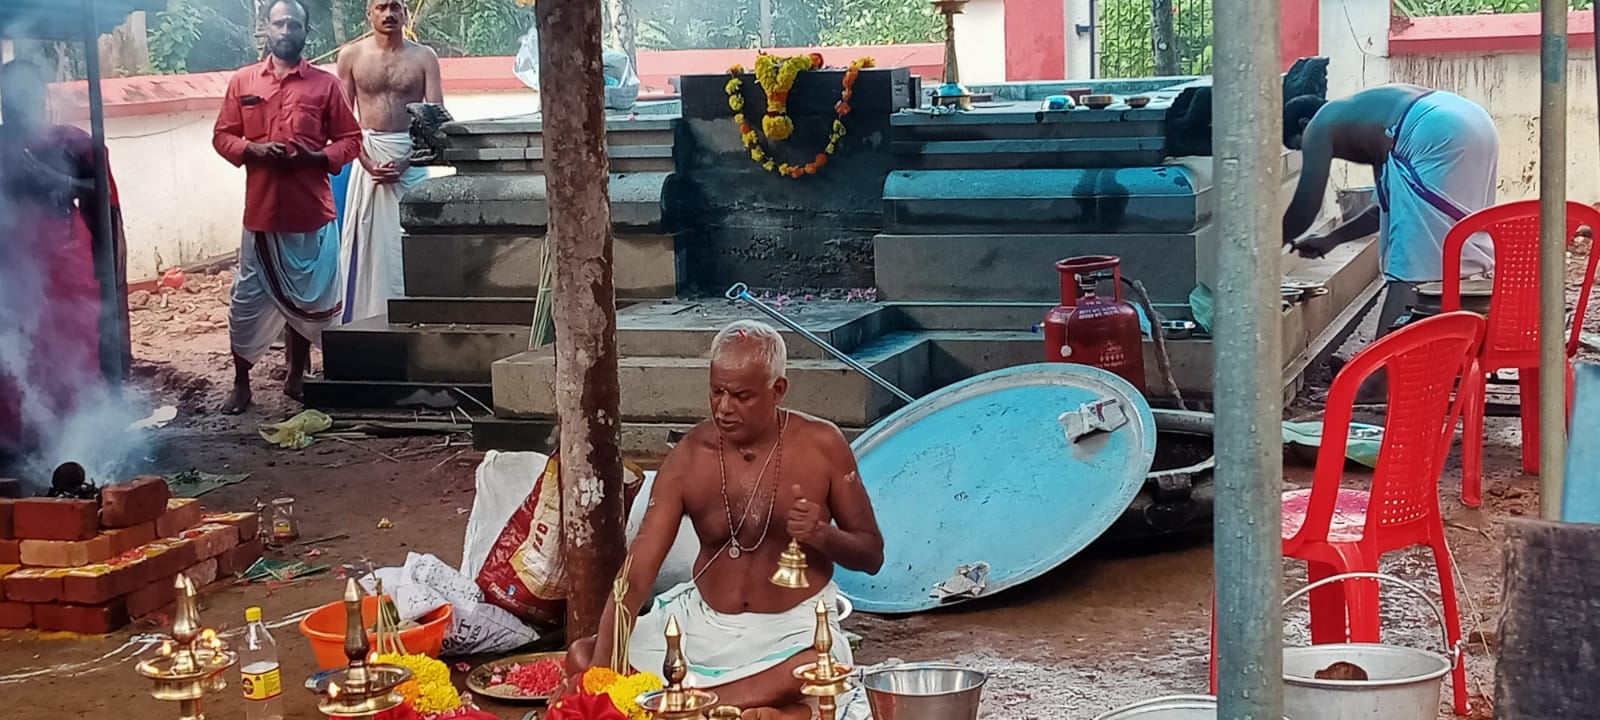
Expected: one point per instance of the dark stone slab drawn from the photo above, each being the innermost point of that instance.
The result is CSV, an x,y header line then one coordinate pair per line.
x,y
356,394
1548,637
878,91
1161,199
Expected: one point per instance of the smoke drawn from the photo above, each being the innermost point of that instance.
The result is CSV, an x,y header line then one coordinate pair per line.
x,y
54,403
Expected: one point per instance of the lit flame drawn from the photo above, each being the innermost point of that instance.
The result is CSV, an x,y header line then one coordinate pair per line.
x,y
333,690
166,648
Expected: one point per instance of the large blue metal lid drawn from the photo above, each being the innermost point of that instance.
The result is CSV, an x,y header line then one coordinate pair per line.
x,y
980,479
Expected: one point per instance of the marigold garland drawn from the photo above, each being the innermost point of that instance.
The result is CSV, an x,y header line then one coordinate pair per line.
x,y
776,76
429,691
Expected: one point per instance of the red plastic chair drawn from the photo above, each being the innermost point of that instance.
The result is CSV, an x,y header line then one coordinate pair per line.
x,y
1336,529
1512,336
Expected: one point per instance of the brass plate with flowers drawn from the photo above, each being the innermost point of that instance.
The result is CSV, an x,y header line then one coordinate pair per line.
x,y
519,678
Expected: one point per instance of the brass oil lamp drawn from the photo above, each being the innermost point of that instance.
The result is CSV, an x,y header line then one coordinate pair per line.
x,y
363,688
192,659
676,702
951,93
826,679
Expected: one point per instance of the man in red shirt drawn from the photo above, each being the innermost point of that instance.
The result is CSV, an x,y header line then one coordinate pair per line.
x,y
288,124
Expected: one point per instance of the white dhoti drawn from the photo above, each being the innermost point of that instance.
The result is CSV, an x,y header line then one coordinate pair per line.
x,y
1443,167
722,648
370,249
284,277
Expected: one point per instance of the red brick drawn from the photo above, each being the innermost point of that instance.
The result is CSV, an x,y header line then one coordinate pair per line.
x,y
141,500
203,574
95,584
212,540
33,585
125,539
56,519
182,514
239,559
153,597
164,558
7,514
62,553
249,523
10,488
15,616
82,619
10,552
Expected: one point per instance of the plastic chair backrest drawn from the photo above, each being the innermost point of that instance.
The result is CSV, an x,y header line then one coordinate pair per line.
x,y
1512,335
1424,362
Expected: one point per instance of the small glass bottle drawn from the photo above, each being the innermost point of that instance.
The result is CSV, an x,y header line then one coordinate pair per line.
x,y
260,676
284,528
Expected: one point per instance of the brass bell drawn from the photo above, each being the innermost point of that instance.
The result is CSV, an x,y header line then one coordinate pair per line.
x,y
791,568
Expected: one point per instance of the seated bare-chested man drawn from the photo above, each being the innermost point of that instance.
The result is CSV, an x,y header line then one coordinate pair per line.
x,y
749,479
381,75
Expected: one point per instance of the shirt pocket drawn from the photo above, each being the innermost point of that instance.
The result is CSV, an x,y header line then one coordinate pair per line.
x,y
257,121
305,122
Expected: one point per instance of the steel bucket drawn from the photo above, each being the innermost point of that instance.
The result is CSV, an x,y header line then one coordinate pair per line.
x,y
1172,707
1402,683
924,691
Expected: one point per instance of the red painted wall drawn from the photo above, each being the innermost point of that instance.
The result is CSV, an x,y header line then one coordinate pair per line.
x,y
1300,29
1036,43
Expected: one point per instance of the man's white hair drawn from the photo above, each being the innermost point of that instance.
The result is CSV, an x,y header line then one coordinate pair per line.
x,y
761,341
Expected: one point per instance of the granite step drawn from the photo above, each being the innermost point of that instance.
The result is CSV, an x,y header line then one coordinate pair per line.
x,y
509,264
673,389
472,310
377,350
1020,268
685,328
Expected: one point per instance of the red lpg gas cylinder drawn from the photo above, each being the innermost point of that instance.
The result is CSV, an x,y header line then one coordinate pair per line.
x,y
1091,330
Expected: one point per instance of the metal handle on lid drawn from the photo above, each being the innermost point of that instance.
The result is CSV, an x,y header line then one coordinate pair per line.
x,y
1454,650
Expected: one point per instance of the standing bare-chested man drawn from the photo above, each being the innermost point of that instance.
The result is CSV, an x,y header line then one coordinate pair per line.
x,y
749,479
381,74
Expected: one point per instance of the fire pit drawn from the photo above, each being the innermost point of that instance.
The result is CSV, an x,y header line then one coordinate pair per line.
x,y
1177,493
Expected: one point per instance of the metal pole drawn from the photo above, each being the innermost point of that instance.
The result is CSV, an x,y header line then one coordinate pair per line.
x,y
1246,134
588,397
741,291
105,251
1552,256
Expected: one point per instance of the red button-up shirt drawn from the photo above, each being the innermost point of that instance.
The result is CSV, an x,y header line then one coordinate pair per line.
x,y
305,106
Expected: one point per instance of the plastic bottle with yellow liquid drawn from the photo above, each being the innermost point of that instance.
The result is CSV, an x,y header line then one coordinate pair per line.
x,y
259,673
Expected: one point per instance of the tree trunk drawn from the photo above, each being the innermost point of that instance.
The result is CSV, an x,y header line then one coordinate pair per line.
x,y
766,23
1164,38
622,26
571,85
341,27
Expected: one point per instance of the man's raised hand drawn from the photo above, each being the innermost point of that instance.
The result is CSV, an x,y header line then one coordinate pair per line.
x,y
805,517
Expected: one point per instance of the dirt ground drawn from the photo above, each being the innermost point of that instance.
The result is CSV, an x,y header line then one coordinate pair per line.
x,y
1110,627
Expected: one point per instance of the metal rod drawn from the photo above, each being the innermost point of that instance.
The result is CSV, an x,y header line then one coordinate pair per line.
x,y
105,251
741,291
1553,239
1248,157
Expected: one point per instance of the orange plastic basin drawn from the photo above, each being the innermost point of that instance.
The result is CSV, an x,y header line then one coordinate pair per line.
x,y
324,627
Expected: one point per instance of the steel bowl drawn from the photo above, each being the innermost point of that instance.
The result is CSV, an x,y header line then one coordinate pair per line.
x,y
924,691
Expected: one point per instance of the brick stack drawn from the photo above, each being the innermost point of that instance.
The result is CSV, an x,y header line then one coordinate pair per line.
x,y
88,567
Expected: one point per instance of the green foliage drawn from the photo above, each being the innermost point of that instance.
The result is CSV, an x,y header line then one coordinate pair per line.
x,y
1435,8
173,36
882,22
1123,41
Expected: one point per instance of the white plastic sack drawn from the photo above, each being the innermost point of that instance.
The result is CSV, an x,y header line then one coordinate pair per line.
x,y
504,480
426,583
526,65
622,83
678,567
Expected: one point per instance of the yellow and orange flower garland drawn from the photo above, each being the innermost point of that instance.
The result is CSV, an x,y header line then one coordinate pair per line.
x,y
776,76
